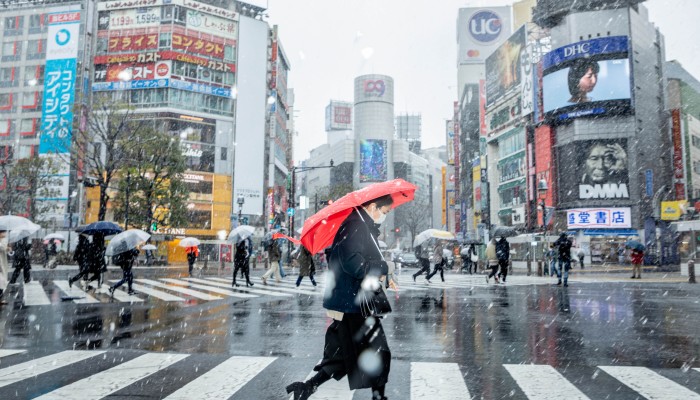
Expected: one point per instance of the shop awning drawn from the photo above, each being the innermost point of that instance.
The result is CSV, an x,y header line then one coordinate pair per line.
x,y
609,232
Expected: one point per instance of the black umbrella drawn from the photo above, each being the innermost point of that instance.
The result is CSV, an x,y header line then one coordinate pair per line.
x,y
472,241
105,228
503,231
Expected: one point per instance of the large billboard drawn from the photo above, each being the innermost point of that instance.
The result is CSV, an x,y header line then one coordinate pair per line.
x,y
374,88
373,160
480,31
503,67
587,78
593,170
338,116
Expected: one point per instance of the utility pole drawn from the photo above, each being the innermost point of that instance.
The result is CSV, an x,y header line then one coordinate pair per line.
x,y
126,202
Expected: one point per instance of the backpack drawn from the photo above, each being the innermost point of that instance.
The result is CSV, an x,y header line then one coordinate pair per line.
x,y
118,259
502,250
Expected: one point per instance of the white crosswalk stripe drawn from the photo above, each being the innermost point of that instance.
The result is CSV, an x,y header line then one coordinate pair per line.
x,y
209,288
442,381
29,369
650,384
189,292
120,295
543,382
277,287
81,297
331,390
34,294
104,383
241,288
156,293
5,353
224,380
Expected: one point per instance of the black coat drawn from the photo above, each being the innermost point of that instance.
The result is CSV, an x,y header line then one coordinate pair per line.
x,y
564,246
354,255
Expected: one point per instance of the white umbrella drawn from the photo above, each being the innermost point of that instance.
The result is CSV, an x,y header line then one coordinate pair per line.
x,y
56,236
126,241
241,233
24,231
382,245
10,222
149,247
189,242
432,233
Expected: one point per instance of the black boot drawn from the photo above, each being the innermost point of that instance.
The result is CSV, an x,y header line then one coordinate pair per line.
x,y
301,390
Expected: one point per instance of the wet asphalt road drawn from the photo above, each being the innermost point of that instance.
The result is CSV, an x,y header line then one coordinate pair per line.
x,y
566,338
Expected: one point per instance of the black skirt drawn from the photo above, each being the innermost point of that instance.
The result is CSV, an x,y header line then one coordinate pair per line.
x,y
346,340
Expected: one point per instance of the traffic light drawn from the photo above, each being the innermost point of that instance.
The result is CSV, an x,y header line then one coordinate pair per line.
x,y
397,230
154,227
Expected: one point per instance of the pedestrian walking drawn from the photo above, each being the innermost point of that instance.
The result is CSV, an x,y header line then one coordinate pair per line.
x,y
125,260
637,258
241,262
82,257
438,262
21,260
503,255
192,254
581,255
96,259
553,256
470,257
51,253
492,259
355,259
4,270
423,255
306,266
563,245
275,257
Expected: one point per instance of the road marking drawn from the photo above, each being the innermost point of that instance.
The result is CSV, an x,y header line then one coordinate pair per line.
x,y
189,292
543,382
442,381
107,382
331,390
272,286
5,353
34,294
224,380
120,295
33,368
209,288
75,291
155,293
650,384
245,289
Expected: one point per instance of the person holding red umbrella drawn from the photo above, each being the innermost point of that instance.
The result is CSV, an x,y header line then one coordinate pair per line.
x,y
355,343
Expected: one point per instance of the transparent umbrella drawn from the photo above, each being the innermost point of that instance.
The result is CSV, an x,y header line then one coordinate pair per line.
x,y
149,247
432,233
56,236
189,242
126,241
242,232
11,222
22,232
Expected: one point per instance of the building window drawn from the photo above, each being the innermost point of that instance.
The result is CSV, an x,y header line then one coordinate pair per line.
x,y
30,100
36,49
14,25
5,127
6,153
102,45
696,141
164,40
166,13
34,75
28,128
5,101
25,151
11,51
36,22
7,77
198,219
224,153
229,53
696,167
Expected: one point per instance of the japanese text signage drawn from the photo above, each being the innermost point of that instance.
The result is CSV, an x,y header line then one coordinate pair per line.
x,y
130,18
154,56
198,46
136,72
210,24
599,218
135,42
162,83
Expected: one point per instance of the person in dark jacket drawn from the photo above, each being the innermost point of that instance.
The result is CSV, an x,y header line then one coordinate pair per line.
x,y
192,254
240,262
423,255
82,257
503,255
96,258
125,260
355,257
306,266
21,261
563,244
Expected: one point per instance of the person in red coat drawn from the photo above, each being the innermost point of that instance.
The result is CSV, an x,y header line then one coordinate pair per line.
x,y
637,257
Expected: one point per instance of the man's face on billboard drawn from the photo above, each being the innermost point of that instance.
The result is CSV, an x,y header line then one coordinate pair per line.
x,y
598,163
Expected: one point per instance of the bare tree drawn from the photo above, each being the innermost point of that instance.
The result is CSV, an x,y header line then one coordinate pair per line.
x,y
414,217
26,181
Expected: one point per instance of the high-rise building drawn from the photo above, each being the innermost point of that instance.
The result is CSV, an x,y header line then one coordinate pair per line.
x,y
409,128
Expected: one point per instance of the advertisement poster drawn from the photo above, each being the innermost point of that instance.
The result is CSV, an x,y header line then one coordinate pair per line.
x,y
592,170
503,67
480,31
373,160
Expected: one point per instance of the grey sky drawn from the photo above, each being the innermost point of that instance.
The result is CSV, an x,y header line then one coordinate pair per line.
x,y
330,42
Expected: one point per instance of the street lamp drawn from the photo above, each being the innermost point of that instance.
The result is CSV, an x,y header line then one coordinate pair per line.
x,y
542,189
240,201
292,197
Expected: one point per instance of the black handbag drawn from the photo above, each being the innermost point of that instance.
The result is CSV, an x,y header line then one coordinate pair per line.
x,y
373,302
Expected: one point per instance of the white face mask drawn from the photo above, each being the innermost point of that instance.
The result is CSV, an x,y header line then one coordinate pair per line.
x,y
381,218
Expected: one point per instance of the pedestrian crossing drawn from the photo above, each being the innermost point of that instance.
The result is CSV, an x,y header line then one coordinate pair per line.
x,y
184,289
97,374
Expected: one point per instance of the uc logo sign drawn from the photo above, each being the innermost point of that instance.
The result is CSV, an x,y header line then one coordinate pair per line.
x,y
62,37
485,26
375,88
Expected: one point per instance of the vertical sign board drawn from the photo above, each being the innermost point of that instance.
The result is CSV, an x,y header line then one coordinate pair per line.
x,y
444,196
59,95
676,138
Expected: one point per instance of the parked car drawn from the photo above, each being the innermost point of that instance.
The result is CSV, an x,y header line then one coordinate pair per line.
x,y
408,260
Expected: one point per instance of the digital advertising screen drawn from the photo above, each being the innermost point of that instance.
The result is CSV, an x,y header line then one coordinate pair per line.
x,y
587,78
373,160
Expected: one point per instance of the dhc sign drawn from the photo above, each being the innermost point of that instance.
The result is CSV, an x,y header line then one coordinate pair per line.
x,y
604,191
485,26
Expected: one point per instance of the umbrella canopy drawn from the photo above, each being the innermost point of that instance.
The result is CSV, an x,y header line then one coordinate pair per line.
x,y
635,245
11,222
54,236
472,241
241,233
22,232
382,244
319,230
504,231
189,242
105,228
125,241
430,234
149,247
279,235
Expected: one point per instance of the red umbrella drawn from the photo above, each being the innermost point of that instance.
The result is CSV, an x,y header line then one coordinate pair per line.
x,y
320,229
278,235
